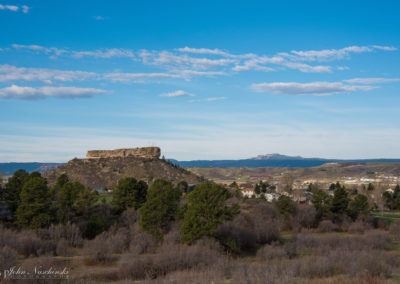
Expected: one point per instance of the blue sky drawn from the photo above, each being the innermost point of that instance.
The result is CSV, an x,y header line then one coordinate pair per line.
x,y
200,79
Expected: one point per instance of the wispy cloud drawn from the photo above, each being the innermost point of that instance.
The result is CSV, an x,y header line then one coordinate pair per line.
x,y
135,77
333,54
187,61
98,18
99,53
39,48
11,73
215,99
13,8
178,93
215,51
30,93
372,80
313,88
105,53
170,60
211,99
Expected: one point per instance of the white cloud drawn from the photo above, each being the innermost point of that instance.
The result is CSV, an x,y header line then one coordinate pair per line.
x,y
40,48
371,80
387,48
204,51
170,60
307,68
215,99
128,77
98,18
9,7
11,73
100,53
215,51
213,62
257,64
212,99
314,88
333,54
30,93
178,93
105,53
25,9
192,73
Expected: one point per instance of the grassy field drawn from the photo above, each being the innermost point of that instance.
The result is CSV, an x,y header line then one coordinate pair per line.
x,y
387,215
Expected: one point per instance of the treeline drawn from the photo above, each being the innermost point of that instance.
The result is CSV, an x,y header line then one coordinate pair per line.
x,y
32,204
339,204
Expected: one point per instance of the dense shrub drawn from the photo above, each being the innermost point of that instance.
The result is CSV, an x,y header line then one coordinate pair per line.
x,y
168,258
8,258
99,251
358,227
143,243
305,216
269,252
371,240
326,226
394,229
29,244
238,235
62,248
69,232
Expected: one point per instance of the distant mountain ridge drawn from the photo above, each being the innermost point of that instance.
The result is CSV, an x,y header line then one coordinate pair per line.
x,y
8,169
273,160
276,156
266,160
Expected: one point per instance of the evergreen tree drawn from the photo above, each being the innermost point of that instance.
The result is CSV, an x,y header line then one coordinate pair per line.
x,y
67,197
370,187
206,209
160,207
13,189
358,206
285,205
129,194
34,208
340,201
85,203
322,203
183,186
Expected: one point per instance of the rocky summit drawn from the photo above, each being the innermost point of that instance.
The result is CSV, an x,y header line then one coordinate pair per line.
x,y
103,169
144,152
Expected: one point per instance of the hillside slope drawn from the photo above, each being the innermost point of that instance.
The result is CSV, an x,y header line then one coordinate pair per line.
x,y
105,172
329,170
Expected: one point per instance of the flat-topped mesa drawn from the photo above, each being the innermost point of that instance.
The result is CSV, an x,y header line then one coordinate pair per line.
x,y
145,152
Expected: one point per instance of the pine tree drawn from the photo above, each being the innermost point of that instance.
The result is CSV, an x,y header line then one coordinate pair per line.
x,y
129,193
160,207
206,209
340,201
34,209
13,189
358,206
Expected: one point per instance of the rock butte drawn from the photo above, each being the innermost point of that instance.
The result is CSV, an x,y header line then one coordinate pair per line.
x,y
145,152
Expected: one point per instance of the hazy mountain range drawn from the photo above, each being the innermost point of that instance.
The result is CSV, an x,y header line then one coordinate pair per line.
x,y
272,160
267,160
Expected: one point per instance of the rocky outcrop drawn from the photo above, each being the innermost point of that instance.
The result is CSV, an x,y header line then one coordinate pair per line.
x,y
99,173
145,152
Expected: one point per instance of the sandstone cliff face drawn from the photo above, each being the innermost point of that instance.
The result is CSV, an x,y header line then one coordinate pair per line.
x,y
99,173
145,152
